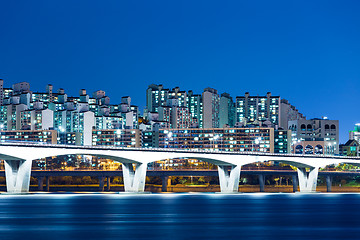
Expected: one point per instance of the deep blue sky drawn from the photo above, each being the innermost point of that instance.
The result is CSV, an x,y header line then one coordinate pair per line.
x,y
305,51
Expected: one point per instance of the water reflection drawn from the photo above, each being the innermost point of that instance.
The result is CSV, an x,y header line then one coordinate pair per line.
x,y
180,216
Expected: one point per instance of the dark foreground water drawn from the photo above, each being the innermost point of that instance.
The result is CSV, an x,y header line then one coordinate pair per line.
x,y
180,216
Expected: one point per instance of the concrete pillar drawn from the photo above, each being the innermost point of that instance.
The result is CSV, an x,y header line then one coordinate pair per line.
x,y
229,181
134,180
262,182
40,183
308,181
47,184
165,182
108,184
295,183
328,183
17,173
101,183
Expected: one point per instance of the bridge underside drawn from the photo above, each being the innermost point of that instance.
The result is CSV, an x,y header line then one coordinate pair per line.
x,y
18,177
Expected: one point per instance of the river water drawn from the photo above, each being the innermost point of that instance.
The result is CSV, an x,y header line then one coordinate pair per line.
x,y
180,216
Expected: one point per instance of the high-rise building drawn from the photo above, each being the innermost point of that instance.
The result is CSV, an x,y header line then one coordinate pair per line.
x,y
227,111
109,122
82,122
37,119
156,96
60,121
181,118
165,115
258,108
7,93
22,87
14,116
3,117
45,97
181,96
211,107
195,105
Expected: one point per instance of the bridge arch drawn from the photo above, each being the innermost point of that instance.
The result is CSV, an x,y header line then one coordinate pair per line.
x,y
110,157
35,154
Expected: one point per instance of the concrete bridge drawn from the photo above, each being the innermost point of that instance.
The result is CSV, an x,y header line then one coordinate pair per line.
x,y
18,160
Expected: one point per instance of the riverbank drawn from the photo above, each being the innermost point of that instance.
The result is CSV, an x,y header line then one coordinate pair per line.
x,y
185,188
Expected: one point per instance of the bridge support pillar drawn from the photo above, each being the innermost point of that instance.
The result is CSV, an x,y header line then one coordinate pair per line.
x,y
328,183
295,183
101,183
47,184
262,182
108,184
165,183
134,180
17,173
308,181
229,181
40,183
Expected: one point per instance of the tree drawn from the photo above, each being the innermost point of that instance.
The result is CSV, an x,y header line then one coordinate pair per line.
x,y
86,179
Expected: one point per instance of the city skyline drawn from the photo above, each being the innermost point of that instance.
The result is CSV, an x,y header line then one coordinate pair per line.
x,y
143,111
306,52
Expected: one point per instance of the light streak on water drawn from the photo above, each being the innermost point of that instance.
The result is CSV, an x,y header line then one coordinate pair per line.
x,y
180,216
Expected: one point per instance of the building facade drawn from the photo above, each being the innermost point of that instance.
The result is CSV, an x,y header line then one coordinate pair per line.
x,y
315,136
219,139
42,136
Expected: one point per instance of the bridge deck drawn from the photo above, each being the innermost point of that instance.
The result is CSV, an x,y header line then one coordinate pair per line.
x,y
168,150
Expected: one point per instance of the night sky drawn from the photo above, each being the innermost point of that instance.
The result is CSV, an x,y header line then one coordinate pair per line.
x,y
305,51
